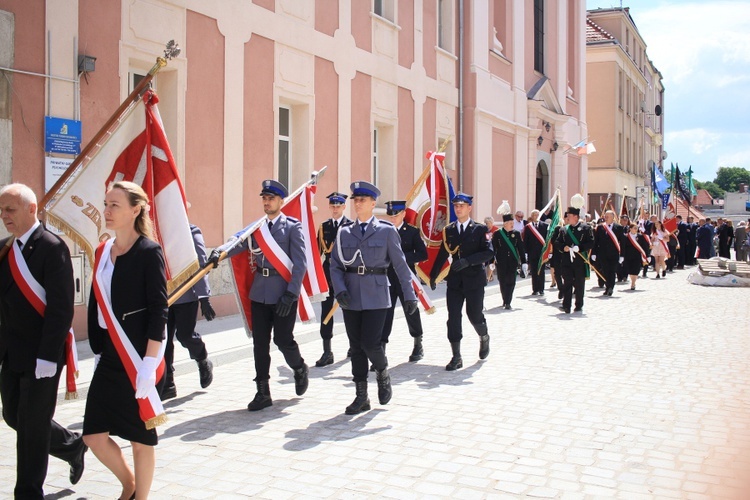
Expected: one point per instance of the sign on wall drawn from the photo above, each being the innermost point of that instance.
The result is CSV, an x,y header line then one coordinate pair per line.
x,y
62,135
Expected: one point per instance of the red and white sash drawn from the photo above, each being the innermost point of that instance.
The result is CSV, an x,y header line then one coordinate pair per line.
x,y
34,292
663,243
612,237
150,408
427,305
283,265
638,247
535,232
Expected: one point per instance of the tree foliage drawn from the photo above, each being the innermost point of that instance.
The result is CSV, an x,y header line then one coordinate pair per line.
x,y
713,189
729,178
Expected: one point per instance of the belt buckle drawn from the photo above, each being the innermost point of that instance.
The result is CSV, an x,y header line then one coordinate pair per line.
x,y
266,273
361,270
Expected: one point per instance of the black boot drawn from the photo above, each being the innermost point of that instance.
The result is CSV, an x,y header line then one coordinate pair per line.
x,y
262,397
169,390
361,402
484,340
456,362
327,357
418,352
384,386
206,372
301,379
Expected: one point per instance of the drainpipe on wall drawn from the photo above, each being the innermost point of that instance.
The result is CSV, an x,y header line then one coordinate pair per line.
x,y
460,95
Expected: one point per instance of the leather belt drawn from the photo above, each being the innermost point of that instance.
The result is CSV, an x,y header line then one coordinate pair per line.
x,y
267,271
362,270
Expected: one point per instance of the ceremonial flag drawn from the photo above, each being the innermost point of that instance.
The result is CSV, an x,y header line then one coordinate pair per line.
x,y
582,148
691,185
670,222
314,285
554,221
659,183
429,208
623,209
136,150
684,193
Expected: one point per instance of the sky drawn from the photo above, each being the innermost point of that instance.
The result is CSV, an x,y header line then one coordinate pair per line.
x,y
702,49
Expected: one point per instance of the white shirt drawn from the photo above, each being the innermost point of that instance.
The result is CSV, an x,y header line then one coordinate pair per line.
x,y
106,282
461,226
23,239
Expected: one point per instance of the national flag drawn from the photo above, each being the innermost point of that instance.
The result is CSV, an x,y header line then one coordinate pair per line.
x,y
670,221
314,285
429,208
136,150
659,183
554,221
582,148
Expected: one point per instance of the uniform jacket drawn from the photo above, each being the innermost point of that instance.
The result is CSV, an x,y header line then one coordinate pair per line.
x,y
505,260
287,231
603,245
413,247
202,288
139,301
24,335
327,233
585,236
379,248
473,246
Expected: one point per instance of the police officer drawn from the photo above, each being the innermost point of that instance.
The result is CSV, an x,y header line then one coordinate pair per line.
x,y
361,256
414,251
181,323
509,255
273,300
606,251
326,238
534,238
466,242
574,241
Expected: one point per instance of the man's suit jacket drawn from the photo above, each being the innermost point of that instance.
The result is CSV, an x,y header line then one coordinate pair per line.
x,y
604,247
705,240
24,334
473,246
532,244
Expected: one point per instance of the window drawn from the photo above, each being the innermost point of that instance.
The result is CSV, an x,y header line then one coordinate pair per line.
x,y
135,77
385,9
539,35
445,25
285,145
620,89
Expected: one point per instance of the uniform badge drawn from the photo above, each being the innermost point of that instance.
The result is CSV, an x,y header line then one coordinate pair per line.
x,y
266,183
512,235
356,185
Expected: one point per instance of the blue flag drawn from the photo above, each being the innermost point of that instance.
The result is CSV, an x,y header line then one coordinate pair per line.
x,y
660,183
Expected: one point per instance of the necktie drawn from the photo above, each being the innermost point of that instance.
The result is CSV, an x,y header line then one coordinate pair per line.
x,y
460,229
335,225
363,227
20,244
270,225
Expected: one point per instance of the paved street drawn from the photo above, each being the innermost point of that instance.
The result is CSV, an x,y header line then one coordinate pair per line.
x,y
644,395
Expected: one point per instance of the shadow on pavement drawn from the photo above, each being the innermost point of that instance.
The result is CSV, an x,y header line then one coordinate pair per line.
x,y
60,494
433,376
339,428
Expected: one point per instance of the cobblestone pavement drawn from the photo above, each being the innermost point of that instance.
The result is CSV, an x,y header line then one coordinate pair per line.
x,y
643,395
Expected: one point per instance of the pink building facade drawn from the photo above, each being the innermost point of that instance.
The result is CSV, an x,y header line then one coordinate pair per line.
x,y
279,88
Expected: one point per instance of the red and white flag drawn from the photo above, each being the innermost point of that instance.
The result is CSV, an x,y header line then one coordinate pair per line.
x,y
670,215
136,150
314,284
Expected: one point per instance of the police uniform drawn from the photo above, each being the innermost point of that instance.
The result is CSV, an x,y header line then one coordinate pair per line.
x,y
360,259
608,253
414,251
509,255
465,281
273,301
181,322
573,271
534,249
326,238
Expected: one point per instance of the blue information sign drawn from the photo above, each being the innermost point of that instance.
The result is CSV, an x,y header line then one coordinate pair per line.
x,y
62,135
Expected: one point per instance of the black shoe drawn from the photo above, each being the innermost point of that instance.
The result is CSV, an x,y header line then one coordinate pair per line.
x,y
76,465
301,379
533,293
507,307
418,352
566,310
454,364
361,402
664,274
206,372
385,392
578,309
541,293
484,346
325,359
349,353
169,391
262,398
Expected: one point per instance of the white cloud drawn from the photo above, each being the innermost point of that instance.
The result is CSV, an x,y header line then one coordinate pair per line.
x,y
697,140
734,159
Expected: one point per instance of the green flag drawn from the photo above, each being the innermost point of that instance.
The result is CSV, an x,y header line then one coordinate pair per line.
x,y
691,186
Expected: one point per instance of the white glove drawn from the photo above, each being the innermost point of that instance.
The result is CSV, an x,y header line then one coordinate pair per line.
x,y
575,248
621,260
525,269
97,357
146,378
45,369
593,258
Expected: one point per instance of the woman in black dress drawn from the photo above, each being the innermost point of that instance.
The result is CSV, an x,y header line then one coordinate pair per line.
x,y
126,321
634,252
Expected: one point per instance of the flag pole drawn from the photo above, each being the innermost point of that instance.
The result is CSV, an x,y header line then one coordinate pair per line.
x,y
208,267
171,51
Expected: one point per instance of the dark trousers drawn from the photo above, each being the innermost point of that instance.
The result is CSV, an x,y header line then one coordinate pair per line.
x,y
264,320
573,277
28,408
454,299
622,272
326,331
681,260
181,324
365,329
507,282
558,276
413,321
537,278
608,267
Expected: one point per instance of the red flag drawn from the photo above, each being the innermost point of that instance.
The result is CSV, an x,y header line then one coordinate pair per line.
x,y
670,221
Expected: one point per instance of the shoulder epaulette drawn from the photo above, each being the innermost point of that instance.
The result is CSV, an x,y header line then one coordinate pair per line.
x,y
381,221
292,219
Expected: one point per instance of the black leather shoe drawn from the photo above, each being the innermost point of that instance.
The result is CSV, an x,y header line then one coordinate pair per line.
x,y
325,359
578,309
484,346
455,364
541,293
169,391
206,372
566,310
76,465
507,307
417,353
301,380
385,392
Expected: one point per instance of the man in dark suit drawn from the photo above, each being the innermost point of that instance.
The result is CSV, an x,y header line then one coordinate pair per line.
x,y
705,238
534,236
726,234
574,241
466,241
363,252
692,242
682,237
414,251
181,324
622,271
606,252
32,345
326,237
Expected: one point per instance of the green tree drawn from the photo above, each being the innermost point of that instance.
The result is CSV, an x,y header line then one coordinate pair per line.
x,y
729,178
714,190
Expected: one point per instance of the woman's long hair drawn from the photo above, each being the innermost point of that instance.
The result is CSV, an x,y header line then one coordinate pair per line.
x,y
137,197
